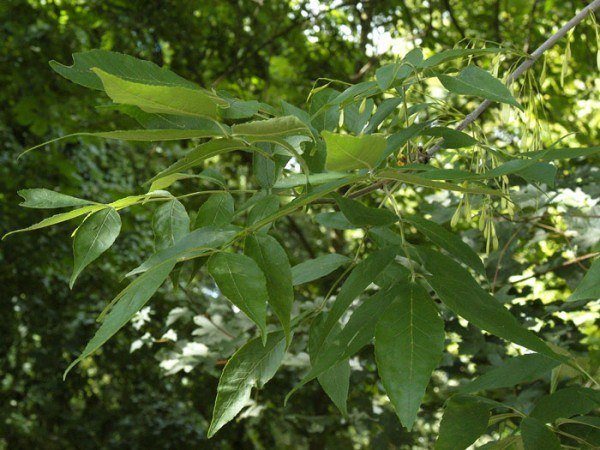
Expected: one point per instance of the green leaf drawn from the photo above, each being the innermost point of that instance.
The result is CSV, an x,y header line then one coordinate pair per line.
x,y
477,82
397,140
455,53
461,293
409,342
124,66
168,121
355,120
196,156
465,419
277,127
59,218
240,280
332,345
164,182
273,261
452,138
216,211
359,279
47,199
566,403
589,287
363,216
447,240
345,152
387,75
193,245
169,224
139,135
314,179
129,301
336,220
538,436
386,108
335,381
516,370
160,98
265,207
390,174
562,153
324,114
239,109
252,365
95,235
313,269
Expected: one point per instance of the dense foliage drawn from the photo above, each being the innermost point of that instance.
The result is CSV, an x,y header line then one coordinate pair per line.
x,y
294,221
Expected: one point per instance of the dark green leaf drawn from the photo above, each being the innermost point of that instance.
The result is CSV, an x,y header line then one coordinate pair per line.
x,y
193,245
516,370
449,241
452,138
355,120
465,419
273,261
118,64
170,223
336,220
240,280
95,235
461,293
47,199
386,108
477,82
589,288
216,211
536,436
129,301
409,341
566,403
363,216
252,365
313,269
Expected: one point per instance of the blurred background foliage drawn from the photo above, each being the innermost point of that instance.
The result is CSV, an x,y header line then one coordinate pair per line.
x,y
154,384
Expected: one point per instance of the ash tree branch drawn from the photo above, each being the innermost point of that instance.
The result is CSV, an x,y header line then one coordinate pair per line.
x,y
524,66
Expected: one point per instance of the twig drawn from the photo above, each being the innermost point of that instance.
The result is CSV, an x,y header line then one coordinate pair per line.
x,y
552,269
523,67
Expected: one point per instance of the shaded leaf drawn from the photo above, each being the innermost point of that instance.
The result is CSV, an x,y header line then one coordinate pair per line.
x,y
449,241
129,301
47,199
537,436
566,403
477,82
95,235
169,223
461,293
589,287
273,261
409,342
516,370
252,365
240,279
216,211
465,419
361,215
313,269
277,127
336,220
125,66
